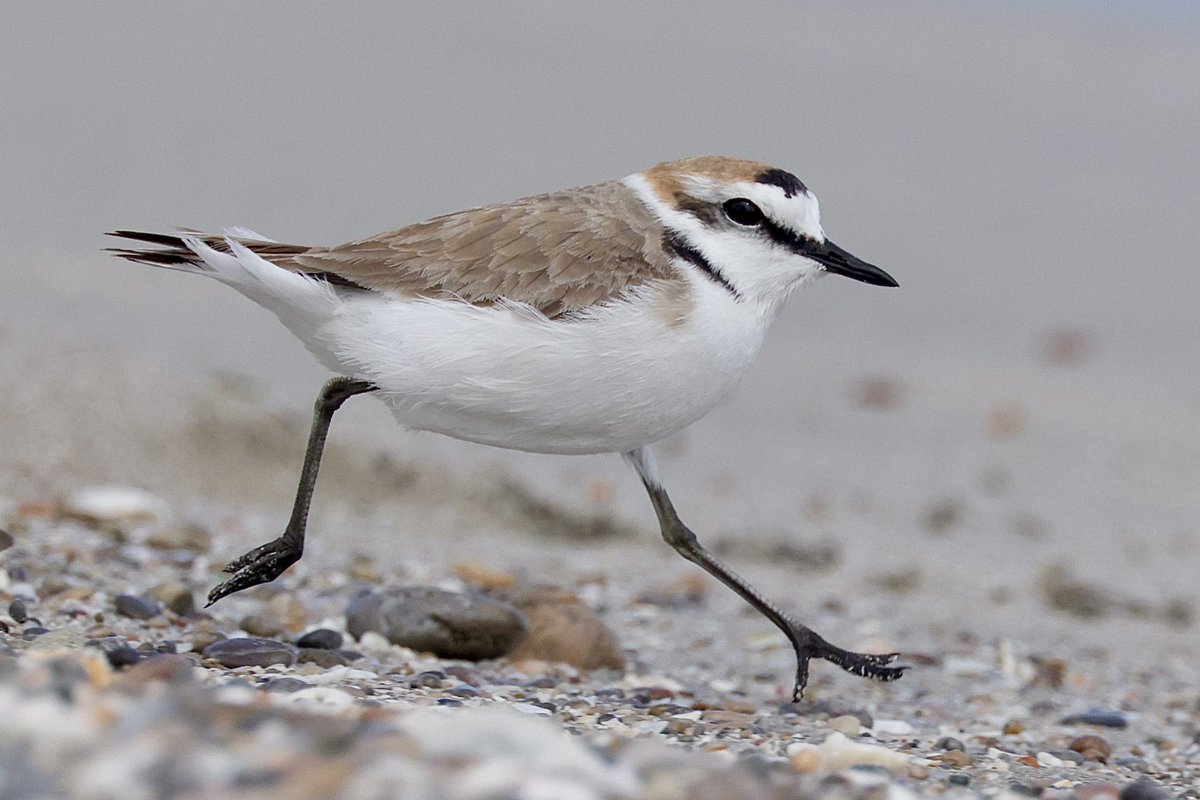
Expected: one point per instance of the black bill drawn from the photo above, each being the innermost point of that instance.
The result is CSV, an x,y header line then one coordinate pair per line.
x,y
840,262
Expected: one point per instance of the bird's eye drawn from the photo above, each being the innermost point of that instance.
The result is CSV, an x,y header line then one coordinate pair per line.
x,y
743,212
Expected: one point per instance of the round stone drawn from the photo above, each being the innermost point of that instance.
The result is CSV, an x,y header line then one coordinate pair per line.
x,y
320,639
247,652
447,624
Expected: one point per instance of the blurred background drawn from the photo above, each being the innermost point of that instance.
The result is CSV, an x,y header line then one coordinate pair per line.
x,y
1028,400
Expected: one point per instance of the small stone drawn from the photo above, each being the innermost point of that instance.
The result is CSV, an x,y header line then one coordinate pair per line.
x,y
1013,727
320,639
949,743
804,759
290,612
33,632
180,537
176,597
565,629
847,724
484,577
114,504
6,539
1144,789
134,607
245,652
1028,761
1096,791
285,685
892,727
263,625
1106,719
156,668
204,633
918,772
322,657
838,753
18,611
1045,759
1092,747
447,624
122,656
958,778
955,758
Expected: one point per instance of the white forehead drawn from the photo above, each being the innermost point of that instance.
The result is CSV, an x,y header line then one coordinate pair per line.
x,y
800,212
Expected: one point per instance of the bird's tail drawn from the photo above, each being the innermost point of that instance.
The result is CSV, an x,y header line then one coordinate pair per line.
x,y
172,251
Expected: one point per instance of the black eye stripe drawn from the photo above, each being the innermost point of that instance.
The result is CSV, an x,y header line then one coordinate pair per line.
x,y
711,215
783,237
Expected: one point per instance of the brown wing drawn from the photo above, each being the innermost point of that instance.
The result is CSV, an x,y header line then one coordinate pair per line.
x,y
558,252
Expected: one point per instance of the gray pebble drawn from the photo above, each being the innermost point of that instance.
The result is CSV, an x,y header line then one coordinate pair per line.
x,y
1068,755
947,743
129,605
18,611
428,680
122,656
320,639
33,631
6,539
958,778
447,624
247,652
1107,719
285,685
1143,789
322,658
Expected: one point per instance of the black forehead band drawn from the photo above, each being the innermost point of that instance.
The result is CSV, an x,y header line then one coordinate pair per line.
x,y
785,180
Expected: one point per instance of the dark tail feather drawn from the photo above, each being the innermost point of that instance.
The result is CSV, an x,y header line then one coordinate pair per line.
x,y
170,250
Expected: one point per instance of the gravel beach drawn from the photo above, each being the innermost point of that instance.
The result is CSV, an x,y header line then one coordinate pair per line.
x,y
656,685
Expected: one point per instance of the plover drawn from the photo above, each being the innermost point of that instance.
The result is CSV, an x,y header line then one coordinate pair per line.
x,y
600,319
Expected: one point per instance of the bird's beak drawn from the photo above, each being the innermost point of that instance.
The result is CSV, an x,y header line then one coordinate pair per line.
x,y
836,260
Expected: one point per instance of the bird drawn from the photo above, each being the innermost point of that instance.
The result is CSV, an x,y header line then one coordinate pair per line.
x,y
599,319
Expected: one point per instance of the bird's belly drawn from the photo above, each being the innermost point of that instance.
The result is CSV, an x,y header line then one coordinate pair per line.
x,y
609,382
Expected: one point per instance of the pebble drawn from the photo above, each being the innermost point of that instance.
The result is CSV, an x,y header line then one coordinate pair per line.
x,y
245,652
447,624
955,758
562,628
176,597
320,639
1106,719
846,724
114,504
134,607
1097,791
285,685
18,611
321,657
949,743
6,539
1144,789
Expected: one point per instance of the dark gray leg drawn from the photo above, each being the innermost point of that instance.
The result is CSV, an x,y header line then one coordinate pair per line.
x,y
266,563
806,643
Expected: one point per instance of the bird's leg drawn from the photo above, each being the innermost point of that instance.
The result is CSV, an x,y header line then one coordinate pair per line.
x,y
267,562
806,643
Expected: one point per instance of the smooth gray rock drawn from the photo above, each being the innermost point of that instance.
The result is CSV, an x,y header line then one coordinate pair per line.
x,y
447,624
246,652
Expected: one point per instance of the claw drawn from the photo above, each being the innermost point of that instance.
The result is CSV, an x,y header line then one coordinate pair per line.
x,y
865,665
261,565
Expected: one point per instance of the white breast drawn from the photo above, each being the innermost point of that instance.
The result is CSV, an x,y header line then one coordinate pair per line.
x,y
618,378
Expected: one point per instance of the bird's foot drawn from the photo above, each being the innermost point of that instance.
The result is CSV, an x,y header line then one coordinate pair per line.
x,y
809,645
263,564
